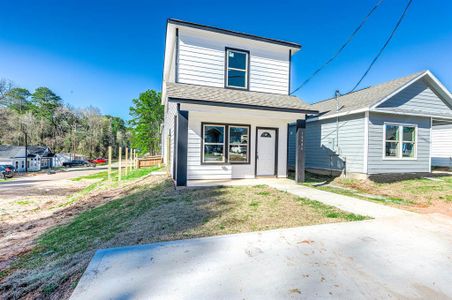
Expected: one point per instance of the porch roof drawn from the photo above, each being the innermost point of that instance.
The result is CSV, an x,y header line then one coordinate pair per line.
x,y
198,94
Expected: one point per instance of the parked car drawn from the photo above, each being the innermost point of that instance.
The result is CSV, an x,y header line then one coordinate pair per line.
x,y
98,161
6,172
78,163
12,168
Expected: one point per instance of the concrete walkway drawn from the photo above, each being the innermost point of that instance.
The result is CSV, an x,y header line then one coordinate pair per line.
x,y
346,203
403,257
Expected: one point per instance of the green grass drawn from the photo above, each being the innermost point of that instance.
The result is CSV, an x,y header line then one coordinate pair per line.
x,y
24,202
136,173
330,211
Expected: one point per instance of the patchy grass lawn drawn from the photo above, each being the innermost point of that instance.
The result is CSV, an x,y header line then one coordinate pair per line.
x,y
414,193
136,173
154,211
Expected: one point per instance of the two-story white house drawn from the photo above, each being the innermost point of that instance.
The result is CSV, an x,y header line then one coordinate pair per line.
x,y
227,104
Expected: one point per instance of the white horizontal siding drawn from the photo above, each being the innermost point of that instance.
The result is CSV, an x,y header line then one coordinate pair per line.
x,y
168,130
202,61
442,146
196,170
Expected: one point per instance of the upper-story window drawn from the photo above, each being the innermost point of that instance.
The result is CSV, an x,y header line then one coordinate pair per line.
x,y
237,68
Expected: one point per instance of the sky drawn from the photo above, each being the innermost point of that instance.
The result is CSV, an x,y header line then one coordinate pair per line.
x,y
104,53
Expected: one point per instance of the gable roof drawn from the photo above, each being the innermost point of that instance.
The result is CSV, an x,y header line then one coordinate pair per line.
x,y
363,98
368,98
197,94
7,151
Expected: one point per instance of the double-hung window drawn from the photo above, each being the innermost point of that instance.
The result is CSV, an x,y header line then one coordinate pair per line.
x,y
237,69
400,141
219,149
214,144
238,144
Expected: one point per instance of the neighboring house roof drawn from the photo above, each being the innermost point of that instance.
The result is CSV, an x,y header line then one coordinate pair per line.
x,y
8,151
234,33
368,98
197,94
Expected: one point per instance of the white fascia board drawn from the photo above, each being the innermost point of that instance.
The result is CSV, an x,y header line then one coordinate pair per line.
x,y
170,43
439,87
411,114
347,113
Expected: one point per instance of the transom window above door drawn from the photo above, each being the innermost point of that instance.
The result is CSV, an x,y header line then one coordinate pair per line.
x,y
237,68
400,141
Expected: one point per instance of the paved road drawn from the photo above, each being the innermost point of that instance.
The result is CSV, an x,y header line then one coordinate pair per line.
x,y
396,257
6,187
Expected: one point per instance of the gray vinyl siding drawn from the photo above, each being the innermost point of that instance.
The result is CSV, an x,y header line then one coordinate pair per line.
x,y
320,144
417,97
376,162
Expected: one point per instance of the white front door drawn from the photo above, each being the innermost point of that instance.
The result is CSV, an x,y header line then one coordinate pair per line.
x,y
266,152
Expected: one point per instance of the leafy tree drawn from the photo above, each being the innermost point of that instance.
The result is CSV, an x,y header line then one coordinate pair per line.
x,y
147,115
45,102
18,100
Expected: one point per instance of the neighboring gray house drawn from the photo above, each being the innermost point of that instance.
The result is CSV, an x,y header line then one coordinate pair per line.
x,y
387,128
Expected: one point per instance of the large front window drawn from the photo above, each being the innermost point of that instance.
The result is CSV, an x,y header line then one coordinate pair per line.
x,y
400,141
218,149
236,69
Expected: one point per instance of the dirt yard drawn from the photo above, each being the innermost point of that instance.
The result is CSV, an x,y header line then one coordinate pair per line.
x,y
145,210
425,195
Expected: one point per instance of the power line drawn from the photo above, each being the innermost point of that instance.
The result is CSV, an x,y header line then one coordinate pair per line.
x,y
385,44
350,38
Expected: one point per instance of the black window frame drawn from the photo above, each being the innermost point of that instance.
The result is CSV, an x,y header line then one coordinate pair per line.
x,y
226,68
226,144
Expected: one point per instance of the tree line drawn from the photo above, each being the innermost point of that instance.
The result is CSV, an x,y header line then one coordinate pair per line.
x,y
45,119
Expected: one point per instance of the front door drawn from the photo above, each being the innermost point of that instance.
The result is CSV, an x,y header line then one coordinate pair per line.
x,y
266,152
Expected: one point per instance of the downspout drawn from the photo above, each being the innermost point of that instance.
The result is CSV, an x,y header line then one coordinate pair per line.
x,y
337,94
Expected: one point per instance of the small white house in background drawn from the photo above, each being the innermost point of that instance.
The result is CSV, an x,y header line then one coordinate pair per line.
x,y
400,126
227,103
38,157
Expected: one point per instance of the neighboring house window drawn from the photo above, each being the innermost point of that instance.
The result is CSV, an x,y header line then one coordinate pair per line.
x,y
238,144
400,141
237,69
214,144
219,148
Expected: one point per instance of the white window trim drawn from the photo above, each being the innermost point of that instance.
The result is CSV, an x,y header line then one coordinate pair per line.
x,y
400,141
247,145
236,69
204,144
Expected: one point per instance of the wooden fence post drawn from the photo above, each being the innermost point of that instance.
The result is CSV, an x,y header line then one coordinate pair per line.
x,y
119,164
109,162
126,161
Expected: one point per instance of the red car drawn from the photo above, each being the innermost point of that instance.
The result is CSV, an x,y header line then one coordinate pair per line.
x,y
98,161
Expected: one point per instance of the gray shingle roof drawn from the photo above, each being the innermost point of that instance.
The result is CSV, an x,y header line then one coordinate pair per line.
x,y
364,98
203,94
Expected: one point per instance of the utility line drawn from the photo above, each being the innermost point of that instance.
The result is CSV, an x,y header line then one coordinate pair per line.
x,y
384,46
350,38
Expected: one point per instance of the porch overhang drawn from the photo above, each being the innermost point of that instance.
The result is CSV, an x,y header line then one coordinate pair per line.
x,y
241,106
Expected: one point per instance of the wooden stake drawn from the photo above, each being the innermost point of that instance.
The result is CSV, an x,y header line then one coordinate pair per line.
x,y
109,162
126,160
130,160
119,164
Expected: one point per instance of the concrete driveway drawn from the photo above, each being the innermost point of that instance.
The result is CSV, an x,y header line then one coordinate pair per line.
x,y
395,257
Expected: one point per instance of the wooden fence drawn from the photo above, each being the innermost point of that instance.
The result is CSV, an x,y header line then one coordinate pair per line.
x,y
150,161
